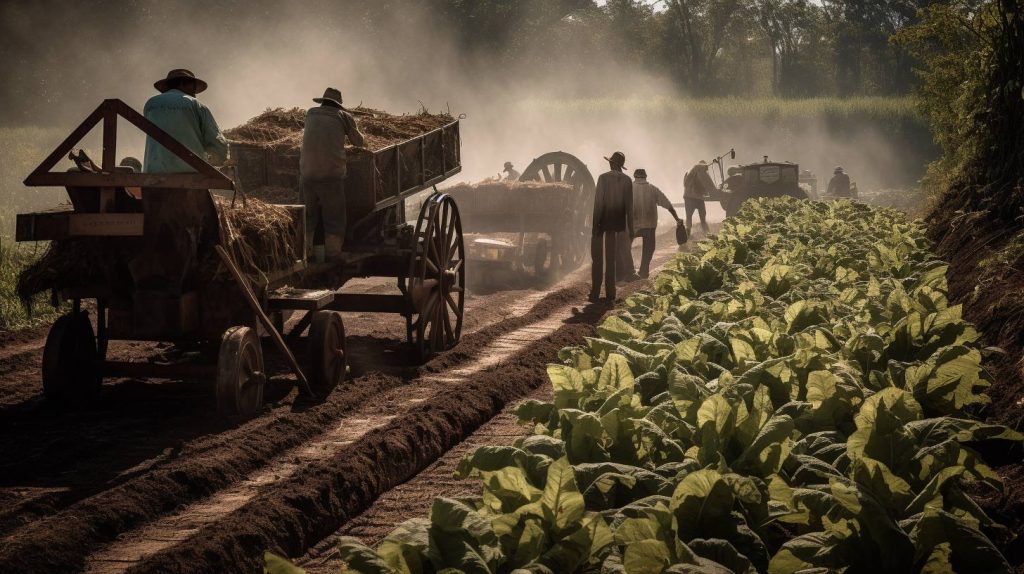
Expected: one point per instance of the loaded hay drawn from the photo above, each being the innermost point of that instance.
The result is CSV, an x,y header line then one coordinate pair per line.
x,y
262,239
267,147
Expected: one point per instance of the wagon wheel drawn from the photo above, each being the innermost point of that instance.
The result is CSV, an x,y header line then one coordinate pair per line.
x,y
437,277
327,359
240,374
570,241
70,372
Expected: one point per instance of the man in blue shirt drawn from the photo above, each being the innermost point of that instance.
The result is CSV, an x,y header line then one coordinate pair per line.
x,y
177,111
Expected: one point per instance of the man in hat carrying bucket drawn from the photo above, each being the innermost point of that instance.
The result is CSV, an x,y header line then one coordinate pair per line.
x,y
323,168
177,111
613,215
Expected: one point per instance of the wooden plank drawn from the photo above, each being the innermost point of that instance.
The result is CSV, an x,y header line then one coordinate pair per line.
x,y
105,224
368,303
300,299
109,138
125,179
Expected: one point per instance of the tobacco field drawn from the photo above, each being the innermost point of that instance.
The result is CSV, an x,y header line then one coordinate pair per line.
x,y
798,395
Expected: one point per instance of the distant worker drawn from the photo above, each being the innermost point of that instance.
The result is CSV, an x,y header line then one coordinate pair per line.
x,y
839,185
510,172
697,187
613,215
323,168
647,198
177,111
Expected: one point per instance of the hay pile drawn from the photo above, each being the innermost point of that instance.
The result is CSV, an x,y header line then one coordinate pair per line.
x,y
261,237
281,129
500,186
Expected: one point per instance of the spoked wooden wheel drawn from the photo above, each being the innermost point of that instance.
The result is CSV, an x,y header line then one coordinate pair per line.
x,y
570,246
437,278
327,360
240,374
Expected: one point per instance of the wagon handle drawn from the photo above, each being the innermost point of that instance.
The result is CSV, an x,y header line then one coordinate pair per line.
x,y
267,323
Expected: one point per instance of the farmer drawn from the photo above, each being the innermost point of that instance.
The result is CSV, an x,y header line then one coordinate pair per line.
x,y
510,172
613,214
177,111
839,185
647,198
323,168
697,186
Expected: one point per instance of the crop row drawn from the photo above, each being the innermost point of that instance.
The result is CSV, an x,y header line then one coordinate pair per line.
x,y
795,397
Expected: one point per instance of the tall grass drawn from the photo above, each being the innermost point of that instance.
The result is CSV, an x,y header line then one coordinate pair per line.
x,y
13,313
21,150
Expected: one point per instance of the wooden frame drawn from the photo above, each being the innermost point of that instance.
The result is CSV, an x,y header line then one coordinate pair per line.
x,y
206,176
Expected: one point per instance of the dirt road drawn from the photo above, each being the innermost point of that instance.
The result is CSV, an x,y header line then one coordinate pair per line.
x,y
150,480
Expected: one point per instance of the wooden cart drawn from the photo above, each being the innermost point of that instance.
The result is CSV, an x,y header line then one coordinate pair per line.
x,y
552,228
159,231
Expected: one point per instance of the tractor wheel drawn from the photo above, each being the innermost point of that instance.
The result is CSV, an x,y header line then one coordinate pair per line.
x,y
70,371
240,374
327,359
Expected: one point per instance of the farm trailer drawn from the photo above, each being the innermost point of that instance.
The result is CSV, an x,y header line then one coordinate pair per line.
x,y
173,222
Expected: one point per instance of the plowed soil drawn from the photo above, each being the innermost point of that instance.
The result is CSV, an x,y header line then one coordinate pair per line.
x,y
151,480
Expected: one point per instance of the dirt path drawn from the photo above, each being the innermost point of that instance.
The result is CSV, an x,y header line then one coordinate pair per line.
x,y
151,480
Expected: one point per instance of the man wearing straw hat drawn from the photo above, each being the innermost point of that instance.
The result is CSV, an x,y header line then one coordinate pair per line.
x,y
323,168
177,111
613,215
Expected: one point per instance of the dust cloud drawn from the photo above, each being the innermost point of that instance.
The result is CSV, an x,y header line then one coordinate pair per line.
x,y
64,58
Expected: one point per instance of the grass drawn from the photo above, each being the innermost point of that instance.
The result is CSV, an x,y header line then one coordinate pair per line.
x,y
13,314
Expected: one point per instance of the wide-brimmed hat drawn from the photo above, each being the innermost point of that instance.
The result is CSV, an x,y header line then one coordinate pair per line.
x,y
640,173
617,157
508,165
179,74
839,169
701,164
332,95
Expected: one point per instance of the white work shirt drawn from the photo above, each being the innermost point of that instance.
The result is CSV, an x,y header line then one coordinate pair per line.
x,y
646,200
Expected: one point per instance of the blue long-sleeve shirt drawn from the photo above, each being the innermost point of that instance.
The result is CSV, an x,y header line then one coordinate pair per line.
x,y
187,120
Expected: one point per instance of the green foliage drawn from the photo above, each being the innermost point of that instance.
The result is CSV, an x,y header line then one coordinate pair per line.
x,y
13,314
794,397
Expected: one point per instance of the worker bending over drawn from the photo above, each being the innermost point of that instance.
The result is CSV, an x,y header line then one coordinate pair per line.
x,y
613,214
177,111
697,187
323,168
647,198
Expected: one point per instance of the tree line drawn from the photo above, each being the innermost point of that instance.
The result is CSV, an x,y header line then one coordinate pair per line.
x,y
784,48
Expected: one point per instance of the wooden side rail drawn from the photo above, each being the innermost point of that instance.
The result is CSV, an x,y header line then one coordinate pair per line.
x,y
51,225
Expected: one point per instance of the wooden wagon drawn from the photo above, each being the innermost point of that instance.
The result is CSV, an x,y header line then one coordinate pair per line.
x,y
160,235
556,218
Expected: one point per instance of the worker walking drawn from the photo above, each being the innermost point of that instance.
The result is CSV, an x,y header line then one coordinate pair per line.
x,y
176,111
697,187
323,168
510,172
613,214
839,185
647,198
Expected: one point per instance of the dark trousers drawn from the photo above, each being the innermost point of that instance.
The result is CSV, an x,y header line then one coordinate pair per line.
x,y
695,204
603,253
624,268
647,253
325,206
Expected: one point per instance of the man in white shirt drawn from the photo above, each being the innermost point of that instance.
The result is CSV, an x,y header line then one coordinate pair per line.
x,y
647,198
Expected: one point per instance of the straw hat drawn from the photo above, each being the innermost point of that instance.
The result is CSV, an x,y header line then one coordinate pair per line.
x,y
332,95
839,169
508,165
179,74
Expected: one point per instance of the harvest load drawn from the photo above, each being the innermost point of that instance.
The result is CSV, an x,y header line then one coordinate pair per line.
x,y
263,238
281,129
797,397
